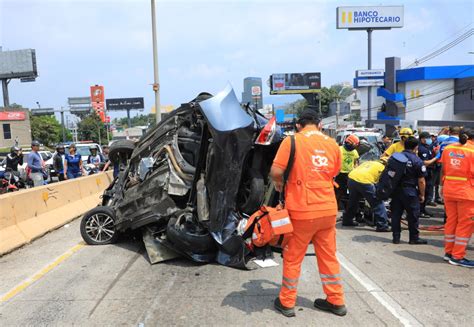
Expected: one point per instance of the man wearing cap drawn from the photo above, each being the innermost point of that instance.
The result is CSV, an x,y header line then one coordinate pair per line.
x,y
428,157
399,146
312,206
36,164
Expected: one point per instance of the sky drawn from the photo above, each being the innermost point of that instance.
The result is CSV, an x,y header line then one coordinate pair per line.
x,y
203,45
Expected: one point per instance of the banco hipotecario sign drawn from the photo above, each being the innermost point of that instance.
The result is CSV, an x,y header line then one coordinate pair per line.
x,y
370,17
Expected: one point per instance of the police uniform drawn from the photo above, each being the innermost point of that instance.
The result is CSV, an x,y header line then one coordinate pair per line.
x,y
406,197
425,153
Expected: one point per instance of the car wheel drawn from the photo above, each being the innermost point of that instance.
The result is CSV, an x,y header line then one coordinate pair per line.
x,y
98,226
251,193
188,237
121,147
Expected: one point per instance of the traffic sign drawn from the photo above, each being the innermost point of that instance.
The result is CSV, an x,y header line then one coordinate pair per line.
x,y
370,73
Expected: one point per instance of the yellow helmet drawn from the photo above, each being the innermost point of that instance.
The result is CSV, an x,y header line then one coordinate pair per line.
x,y
406,131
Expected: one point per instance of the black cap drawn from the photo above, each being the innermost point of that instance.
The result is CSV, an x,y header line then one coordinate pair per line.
x,y
309,114
35,143
424,135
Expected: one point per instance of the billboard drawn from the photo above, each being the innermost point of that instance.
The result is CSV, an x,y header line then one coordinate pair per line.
x,y
18,64
374,17
97,93
125,104
12,115
295,83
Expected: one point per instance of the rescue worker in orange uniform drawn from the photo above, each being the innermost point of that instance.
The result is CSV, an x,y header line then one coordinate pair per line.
x,y
458,191
311,203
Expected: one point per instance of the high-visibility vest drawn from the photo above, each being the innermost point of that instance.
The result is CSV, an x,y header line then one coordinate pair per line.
x,y
310,184
458,171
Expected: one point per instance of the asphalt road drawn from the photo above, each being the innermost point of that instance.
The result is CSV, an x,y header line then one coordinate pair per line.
x,y
59,281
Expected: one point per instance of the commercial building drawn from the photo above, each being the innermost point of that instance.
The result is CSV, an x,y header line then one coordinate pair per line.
x,y
253,92
15,128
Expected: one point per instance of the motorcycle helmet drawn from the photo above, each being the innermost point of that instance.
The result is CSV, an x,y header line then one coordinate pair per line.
x,y
352,140
406,131
14,149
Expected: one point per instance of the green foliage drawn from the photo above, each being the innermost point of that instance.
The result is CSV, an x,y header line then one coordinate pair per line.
x,y
45,129
139,120
296,107
91,128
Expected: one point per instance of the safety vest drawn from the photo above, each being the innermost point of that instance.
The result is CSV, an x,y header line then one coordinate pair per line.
x,y
310,184
458,171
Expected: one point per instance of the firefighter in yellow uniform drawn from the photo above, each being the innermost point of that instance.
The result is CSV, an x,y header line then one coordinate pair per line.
x,y
405,133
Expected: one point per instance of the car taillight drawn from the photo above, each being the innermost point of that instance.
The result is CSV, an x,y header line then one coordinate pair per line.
x,y
267,133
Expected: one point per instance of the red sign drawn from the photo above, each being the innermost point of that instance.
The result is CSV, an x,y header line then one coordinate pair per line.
x,y
98,106
97,93
12,115
107,119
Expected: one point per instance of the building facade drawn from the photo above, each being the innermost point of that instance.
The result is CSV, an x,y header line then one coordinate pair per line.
x,y
15,127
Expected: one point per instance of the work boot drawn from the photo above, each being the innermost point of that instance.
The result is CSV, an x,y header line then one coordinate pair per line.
x,y
418,241
462,262
324,305
439,201
426,214
396,239
431,204
350,224
447,256
287,312
383,229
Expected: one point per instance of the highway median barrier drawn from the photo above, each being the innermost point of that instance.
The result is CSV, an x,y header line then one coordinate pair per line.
x,y
29,214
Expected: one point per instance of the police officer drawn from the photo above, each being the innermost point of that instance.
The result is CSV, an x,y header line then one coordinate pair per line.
x,y
426,154
14,158
409,194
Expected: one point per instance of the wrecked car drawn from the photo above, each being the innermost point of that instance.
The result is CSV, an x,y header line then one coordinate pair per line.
x,y
190,182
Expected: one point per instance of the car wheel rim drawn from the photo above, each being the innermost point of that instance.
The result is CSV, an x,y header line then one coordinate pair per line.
x,y
100,227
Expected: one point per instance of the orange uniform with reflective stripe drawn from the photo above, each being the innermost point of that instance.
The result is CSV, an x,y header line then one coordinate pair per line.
x,y
458,192
311,202
310,191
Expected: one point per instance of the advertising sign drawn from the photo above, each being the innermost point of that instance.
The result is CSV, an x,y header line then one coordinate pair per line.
x,y
18,64
295,83
370,73
12,115
74,101
370,82
97,93
125,104
374,17
256,90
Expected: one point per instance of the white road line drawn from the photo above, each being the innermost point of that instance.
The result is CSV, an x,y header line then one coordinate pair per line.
x,y
386,300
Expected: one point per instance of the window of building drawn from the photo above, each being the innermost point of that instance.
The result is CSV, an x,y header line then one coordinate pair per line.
x,y
7,132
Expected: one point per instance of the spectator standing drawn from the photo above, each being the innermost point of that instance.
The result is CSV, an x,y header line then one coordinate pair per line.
x,y
350,158
14,158
58,161
409,194
105,153
428,157
72,164
36,165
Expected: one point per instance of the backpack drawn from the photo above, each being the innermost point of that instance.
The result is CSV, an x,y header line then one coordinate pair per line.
x,y
391,176
269,225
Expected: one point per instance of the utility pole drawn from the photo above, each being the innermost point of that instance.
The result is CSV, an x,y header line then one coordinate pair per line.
x,y
156,84
62,124
369,66
337,113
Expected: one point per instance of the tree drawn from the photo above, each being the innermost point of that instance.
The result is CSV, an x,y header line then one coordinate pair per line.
x,y
139,120
91,128
45,129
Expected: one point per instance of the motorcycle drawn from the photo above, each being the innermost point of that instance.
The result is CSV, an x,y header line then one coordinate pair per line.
x,y
10,182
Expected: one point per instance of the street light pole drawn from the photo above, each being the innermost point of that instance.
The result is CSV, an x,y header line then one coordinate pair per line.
x,y
156,84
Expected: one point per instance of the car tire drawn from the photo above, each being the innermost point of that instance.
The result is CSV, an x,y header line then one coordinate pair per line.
x,y
251,193
120,147
98,226
186,240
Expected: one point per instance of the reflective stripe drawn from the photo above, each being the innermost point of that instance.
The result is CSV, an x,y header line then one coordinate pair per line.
x,y
254,236
330,276
338,282
288,286
449,241
459,148
463,238
449,235
455,178
289,280
460,243
281,222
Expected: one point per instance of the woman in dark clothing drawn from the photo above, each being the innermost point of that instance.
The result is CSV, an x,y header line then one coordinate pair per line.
x,y
72,164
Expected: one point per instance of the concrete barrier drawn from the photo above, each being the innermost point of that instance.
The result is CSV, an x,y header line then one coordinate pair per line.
x,y
29,214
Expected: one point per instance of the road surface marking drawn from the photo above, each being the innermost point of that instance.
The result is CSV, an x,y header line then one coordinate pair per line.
x,y
23,285
406,318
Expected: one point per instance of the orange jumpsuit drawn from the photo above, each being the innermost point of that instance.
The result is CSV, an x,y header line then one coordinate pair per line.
x,y
312,206
458,192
